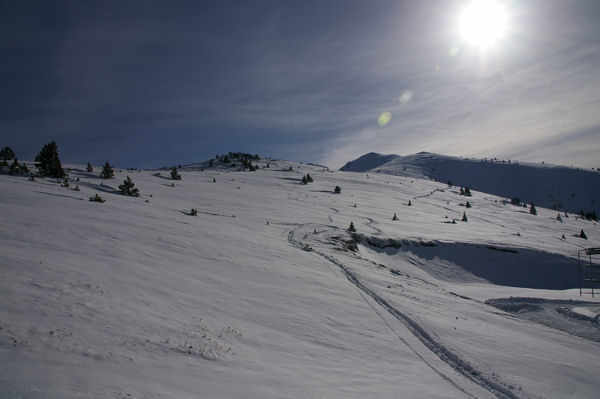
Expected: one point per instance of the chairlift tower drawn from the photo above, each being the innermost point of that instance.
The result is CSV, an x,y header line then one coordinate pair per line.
x,y
588,270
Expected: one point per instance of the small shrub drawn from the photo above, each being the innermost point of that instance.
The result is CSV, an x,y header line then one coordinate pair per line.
x,y
532,209
96,198
127,188
337,190
174,174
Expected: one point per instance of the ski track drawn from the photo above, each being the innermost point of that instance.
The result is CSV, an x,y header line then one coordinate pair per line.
x,y
446,355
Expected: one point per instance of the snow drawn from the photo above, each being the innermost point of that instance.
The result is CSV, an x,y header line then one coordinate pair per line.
x,y
258,296
551,186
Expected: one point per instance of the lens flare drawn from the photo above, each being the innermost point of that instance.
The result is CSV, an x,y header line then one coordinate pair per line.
x,y
406,97
384,118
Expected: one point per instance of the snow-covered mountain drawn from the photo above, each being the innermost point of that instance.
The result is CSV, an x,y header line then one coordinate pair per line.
x,y
557,187
266,294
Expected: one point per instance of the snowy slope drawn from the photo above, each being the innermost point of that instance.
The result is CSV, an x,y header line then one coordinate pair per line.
x,y
551,186
259,296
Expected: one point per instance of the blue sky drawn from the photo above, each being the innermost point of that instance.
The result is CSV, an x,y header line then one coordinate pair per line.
x,y
153,83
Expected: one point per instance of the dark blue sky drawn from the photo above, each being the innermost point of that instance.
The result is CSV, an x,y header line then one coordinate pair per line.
x,y
153,83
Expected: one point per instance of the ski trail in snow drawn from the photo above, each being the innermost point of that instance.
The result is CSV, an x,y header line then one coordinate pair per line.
x,y
445,354
370,224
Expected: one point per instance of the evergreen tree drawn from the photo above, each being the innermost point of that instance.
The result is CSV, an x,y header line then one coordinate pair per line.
x,y
107,171
464,218
409,203
304,180
7,154
351,228
558,217
127,188
582,235
89,167
48,162
532,209
309,178
14,168
395,217
174,174
467,192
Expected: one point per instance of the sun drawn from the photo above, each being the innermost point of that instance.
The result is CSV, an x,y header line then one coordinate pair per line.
x,y
483,22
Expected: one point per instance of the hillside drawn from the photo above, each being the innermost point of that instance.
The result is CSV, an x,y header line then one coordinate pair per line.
x,y
266,294
551,186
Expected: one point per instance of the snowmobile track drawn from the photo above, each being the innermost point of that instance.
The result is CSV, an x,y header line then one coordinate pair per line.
x,y
445,354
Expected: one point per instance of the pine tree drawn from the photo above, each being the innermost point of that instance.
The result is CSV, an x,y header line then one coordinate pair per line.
x,y
395,217
89,167
107,171
351,228
309,178
464,218
48,162
467,192
127,188
6,154
304,180
582,235
532,209
174,174
409,203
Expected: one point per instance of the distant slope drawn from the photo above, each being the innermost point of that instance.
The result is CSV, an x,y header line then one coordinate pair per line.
x,y
551,186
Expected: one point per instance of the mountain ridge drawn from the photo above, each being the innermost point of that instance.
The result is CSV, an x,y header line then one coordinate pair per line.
x,y
552,186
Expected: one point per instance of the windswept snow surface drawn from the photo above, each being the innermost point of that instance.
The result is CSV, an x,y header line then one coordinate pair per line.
x,y
551,186
266,294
